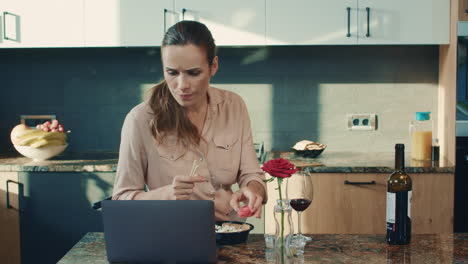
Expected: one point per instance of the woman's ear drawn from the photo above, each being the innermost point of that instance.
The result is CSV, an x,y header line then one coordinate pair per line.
x,y
214,66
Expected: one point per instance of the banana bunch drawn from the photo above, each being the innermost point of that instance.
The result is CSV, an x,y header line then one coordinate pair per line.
x,y
38,138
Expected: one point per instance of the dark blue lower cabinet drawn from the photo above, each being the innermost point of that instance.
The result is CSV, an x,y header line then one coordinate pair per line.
x,y
56,212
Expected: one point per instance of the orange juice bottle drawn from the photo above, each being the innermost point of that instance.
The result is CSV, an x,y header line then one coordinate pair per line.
x,y
421,136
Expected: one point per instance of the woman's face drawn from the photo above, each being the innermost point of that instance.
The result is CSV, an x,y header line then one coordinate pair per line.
x,y
187,73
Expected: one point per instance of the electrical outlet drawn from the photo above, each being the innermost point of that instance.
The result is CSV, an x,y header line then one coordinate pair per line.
x,y
362,121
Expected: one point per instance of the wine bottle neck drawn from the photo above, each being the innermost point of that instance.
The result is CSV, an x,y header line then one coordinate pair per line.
x,y
400,159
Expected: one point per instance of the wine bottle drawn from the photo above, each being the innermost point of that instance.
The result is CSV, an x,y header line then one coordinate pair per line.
x,y
399,191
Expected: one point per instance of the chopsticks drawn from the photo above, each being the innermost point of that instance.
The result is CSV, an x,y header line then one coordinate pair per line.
x,y
194,168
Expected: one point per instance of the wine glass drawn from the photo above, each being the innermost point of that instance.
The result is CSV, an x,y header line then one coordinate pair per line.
x,y
299,191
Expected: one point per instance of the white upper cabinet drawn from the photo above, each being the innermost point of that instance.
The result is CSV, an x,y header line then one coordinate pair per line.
x,y
311,22
338,22
240,22
404,22
110,23
44,23
116,23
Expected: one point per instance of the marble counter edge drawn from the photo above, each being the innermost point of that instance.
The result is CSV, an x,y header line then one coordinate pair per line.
x,y
387,170
70,162
58,168
106,164
113,168
326,248
319,164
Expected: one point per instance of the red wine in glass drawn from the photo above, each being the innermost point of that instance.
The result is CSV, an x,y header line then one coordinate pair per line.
x,y
300,191
300,204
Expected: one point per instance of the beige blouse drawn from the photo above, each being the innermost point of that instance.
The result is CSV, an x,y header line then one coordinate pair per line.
x,y
226,155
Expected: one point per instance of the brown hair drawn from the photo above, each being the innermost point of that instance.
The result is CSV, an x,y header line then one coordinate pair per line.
x,y
168,115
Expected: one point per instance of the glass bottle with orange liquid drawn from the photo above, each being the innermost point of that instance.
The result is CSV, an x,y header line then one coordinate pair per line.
x,y
421,136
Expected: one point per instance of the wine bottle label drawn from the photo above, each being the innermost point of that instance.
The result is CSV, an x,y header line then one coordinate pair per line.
x,y
398,206
410,195
391,206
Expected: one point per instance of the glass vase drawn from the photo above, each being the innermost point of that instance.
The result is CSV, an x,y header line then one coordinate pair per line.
x,y
284,229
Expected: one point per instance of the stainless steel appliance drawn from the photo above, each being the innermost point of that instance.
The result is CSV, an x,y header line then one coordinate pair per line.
x,y
461,169
460,223
462,71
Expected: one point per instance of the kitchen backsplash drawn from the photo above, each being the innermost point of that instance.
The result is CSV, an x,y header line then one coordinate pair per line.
x,y
292,93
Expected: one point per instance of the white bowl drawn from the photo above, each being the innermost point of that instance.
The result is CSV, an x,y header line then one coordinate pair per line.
x,y
40,154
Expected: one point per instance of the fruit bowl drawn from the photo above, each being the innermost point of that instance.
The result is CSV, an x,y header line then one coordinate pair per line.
x,y
40,143
40,154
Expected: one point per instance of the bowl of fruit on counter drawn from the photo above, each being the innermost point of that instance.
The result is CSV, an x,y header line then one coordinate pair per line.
x,y
42,142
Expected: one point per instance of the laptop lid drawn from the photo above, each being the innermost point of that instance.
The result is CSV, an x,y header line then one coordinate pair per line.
x,y
159,231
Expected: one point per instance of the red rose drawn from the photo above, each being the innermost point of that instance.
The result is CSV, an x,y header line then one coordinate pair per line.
x,y
245,212
279,168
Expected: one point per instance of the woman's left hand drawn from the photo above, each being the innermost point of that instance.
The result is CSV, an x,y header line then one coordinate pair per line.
x,y
247,194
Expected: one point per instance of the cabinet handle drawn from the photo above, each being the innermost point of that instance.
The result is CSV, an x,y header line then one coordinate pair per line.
x,y
4,27
368,21
165,12
8,206
23,118
17,21
183,13
349,21
360,183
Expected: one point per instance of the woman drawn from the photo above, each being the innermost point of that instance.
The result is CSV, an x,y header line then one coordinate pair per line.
x,y
188,126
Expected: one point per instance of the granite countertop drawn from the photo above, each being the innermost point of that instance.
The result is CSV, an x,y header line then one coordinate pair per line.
x,y
360,162
444,248
67,162
327,162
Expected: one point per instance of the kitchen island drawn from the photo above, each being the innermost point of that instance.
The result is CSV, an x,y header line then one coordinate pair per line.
x,y
325,248
62,190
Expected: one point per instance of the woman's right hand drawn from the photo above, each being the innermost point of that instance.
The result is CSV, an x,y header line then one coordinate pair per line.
x,y
182,186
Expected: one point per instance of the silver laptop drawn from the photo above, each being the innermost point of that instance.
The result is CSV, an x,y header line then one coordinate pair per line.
x,y
159,231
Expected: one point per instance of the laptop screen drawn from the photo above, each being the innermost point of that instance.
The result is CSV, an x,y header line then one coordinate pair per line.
x,y
159,231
